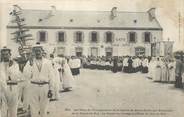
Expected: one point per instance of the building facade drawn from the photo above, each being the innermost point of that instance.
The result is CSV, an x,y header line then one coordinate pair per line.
x,y
91,33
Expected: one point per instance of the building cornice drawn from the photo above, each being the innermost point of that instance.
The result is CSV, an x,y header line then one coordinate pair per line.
x,y
86,28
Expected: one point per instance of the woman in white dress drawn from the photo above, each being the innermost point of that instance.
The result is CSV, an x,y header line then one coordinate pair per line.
x,y
56,69
172,66
182,73
158,71
67,77
152,68
165,71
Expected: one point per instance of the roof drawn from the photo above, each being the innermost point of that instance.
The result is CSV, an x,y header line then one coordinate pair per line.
x,y
93,19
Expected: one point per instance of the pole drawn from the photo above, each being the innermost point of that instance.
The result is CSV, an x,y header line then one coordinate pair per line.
x,y
179,28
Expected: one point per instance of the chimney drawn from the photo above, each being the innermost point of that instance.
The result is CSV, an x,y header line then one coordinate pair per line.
x,y
53,10
114,12
151,13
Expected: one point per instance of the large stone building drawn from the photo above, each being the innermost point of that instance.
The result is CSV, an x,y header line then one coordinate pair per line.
x,y
96,33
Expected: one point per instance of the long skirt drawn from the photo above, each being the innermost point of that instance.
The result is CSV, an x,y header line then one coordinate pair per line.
x,y
125,69
178,82
101,67
140,68
130,69
85,66
114,69
164,75
182,79
145,70
75,71
92,66
108,67
67,82
120,68
158,74
136,69
172,75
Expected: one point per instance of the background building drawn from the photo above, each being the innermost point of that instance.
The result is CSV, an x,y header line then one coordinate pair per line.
x,y
96,33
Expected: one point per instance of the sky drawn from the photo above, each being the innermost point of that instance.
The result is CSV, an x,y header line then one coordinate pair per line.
x,y
167,12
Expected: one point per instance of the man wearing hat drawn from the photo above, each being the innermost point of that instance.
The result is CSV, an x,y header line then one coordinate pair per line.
x,y
41,76
9,79
23,84
178,71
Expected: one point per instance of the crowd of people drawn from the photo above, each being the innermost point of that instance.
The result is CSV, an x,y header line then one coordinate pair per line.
x,y
31,84
36,81
167,70
126,64
160,69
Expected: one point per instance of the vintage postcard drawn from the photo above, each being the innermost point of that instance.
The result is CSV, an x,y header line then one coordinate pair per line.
x,y
92,58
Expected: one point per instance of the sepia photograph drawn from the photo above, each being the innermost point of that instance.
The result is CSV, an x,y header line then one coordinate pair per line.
x,y
91,58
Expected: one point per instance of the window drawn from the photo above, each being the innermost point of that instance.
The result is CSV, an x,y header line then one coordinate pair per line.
x,y
132,37
42,36
139,51
147,37
94,51
94,37
109,37
78,51
61,36
108,52
79,36
60,51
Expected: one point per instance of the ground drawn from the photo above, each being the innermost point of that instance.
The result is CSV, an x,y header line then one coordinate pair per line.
x,y
101,93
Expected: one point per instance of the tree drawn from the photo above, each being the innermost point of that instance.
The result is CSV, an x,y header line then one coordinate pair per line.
x,y
20,35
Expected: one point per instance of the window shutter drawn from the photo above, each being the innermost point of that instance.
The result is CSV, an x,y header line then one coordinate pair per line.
x,y
136,37
74,37
89,40
104,39
56,36
128,37
143,37
113,37
82,37
65,37
98,37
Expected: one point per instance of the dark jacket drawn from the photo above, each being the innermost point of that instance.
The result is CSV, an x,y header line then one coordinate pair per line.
x,y
179,68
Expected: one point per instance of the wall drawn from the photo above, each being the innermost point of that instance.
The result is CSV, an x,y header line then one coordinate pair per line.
x,y
120,46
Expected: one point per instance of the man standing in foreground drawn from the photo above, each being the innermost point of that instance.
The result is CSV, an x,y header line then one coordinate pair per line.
x,y
41,82
9,78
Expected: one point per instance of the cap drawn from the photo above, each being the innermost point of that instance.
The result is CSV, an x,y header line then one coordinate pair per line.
x,y
5,49
37,45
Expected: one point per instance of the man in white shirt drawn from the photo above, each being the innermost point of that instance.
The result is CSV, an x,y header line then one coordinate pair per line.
x,y
41,83
23,85
9,78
